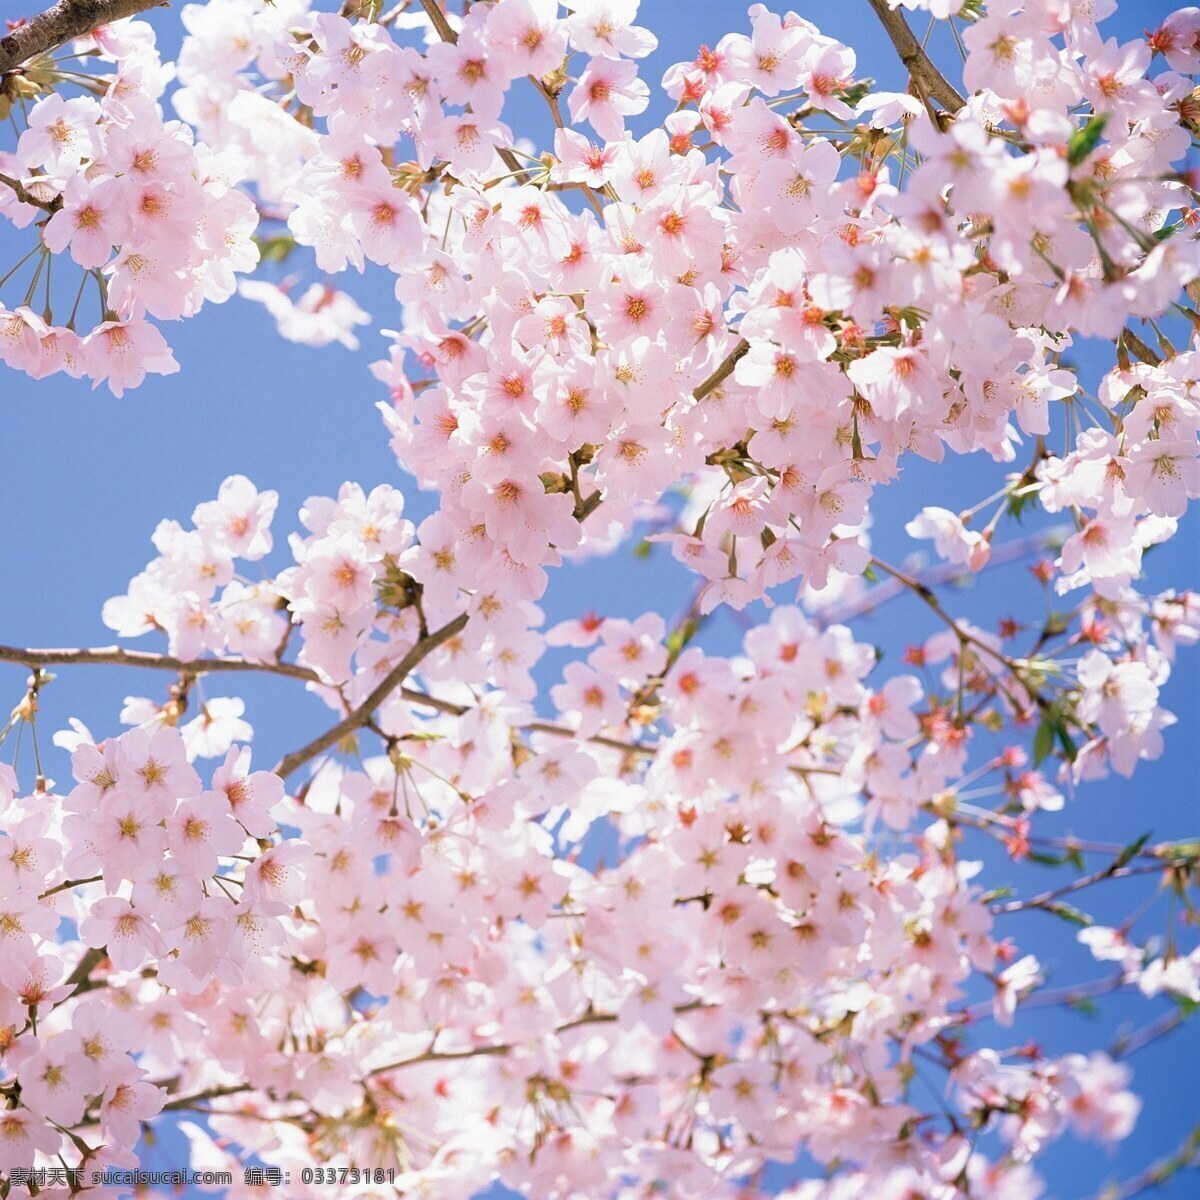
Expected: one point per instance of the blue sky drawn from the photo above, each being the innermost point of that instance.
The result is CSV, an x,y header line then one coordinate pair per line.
x,y
84,478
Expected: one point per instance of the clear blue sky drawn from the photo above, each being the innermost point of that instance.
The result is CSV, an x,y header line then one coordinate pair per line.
x,y
84,478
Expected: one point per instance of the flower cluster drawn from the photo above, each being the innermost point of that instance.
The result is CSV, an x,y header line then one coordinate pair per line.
x,y
177,592
140,823
154,217
427,891
677,916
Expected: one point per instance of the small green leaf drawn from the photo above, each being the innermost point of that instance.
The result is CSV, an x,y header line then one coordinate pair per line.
x,y
1043,742
1065,740
1130,852
1046,860
276,248
1057,624
999,893
1069,913
1084,141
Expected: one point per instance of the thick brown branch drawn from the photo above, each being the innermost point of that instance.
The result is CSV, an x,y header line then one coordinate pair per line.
x,y
27,197
359,717
723,372
438,19
65,20
913,56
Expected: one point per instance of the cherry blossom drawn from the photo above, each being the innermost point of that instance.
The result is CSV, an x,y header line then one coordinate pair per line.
x,y
584,906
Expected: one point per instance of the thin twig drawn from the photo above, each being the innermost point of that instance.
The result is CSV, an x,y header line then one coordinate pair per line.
x,y
1186,1158
118,655
493,1048
1046,899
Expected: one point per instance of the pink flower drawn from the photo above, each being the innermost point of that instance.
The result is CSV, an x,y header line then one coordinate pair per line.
x,y
795,191
1164,474
952,540
240,517
320,316
22,1135
200,831
128,935
61,134
605,28
582,160
129,1101
251,796
1099,1105
1013,983
57,1078
896,381
216,728
527,36
608,91
92,220
123,352
588,699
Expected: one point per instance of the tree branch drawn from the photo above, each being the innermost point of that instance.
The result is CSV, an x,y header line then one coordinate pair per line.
x,y
913,56
723,371
27,197
492,1048
119,656
869,601
1186,1158
359,717
438,19
66,20
211,1094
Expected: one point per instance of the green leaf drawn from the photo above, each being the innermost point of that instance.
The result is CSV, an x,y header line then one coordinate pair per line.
x,y
1043,742
1046,860
999,893
1083,141
678,638
276,248
1057,623
1068,745
1069,913
1130,852
1018,503
1187,850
